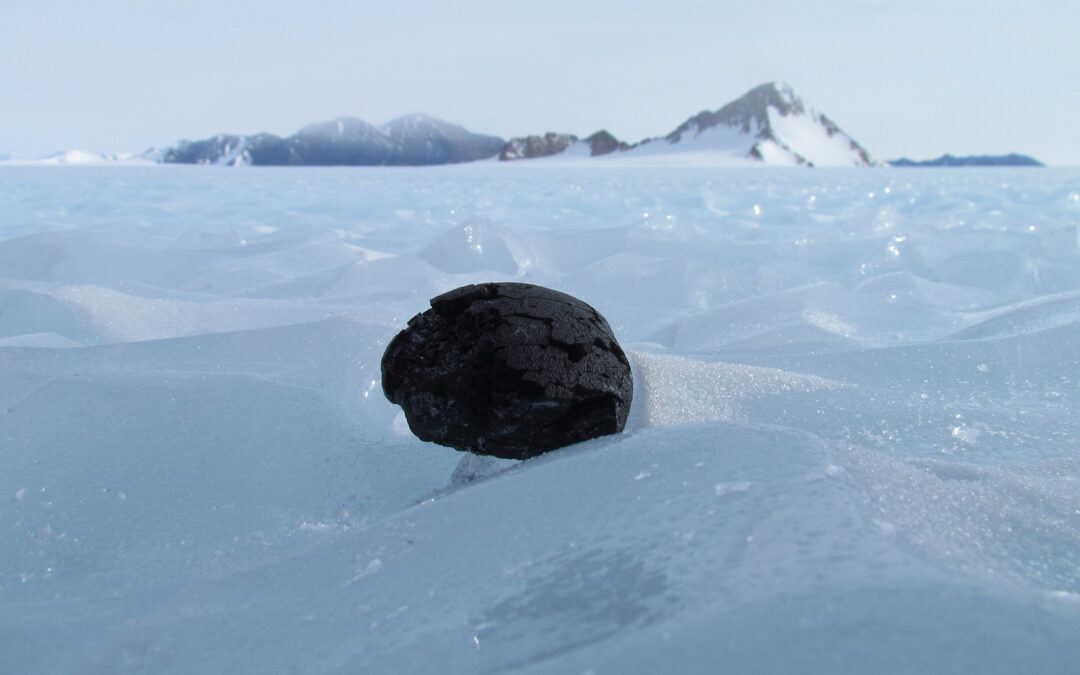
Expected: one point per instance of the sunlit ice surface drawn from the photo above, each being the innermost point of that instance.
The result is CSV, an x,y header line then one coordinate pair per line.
x,y
853,444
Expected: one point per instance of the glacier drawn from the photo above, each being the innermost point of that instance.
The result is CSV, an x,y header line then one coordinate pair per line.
x,y
853,445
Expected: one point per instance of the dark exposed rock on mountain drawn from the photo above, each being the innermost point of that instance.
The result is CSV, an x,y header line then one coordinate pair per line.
x,y
748,114
551,143
602,143
507,369
413,140
531,147
1013,159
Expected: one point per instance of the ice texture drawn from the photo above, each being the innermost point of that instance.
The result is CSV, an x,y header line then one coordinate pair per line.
x,y
853,445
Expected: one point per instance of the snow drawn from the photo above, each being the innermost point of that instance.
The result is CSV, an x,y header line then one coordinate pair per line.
x,y
808,136
76,158
853,445
719,146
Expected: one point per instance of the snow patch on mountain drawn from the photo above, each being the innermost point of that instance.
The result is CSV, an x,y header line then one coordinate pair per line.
x,y
817,139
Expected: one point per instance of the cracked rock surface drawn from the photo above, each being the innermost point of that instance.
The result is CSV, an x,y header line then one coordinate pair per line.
x,y
508,369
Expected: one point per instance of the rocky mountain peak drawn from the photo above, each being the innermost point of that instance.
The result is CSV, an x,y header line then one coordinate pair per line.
x,y
749,114
603,143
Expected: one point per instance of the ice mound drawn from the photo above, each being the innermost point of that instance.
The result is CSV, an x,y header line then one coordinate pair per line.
x,y
478,246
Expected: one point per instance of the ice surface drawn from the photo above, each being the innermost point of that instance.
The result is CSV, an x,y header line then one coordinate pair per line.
x,y
853,445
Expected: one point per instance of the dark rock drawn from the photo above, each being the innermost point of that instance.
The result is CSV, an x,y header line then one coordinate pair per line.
x,y
551,143
603,143
507,369
531,147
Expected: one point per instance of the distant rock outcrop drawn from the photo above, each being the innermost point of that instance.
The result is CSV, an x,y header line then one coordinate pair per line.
x,y
551,143
1013,159
603,143
531,147
413,140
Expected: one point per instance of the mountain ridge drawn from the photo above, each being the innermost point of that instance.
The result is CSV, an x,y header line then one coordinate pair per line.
x,y
768,125
949,160
410,140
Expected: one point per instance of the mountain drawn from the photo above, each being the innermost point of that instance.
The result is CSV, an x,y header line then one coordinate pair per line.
x,y
769,124
221,149
772,124
346,141
1013,159
420,139
413,140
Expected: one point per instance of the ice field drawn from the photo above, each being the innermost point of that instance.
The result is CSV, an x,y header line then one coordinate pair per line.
x,y
853,446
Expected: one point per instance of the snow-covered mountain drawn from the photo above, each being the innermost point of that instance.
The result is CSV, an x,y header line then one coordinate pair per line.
x,y
412,140
420,139
770,124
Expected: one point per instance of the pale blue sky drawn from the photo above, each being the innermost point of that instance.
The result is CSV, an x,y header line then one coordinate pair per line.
x,y
902,78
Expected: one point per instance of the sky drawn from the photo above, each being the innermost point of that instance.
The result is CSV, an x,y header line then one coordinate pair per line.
x,y
914,79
